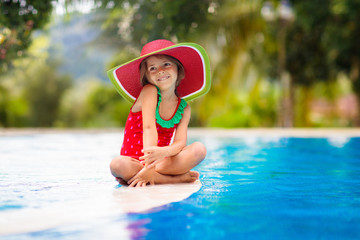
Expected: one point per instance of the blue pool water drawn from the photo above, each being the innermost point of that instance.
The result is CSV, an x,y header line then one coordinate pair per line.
x,y
253,188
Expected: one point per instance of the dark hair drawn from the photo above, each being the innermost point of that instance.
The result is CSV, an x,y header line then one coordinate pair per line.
x,y
143,68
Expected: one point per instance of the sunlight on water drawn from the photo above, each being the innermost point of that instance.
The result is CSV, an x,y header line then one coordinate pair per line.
x,y
338,141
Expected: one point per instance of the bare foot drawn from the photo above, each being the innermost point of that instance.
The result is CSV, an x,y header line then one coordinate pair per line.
x,y
188,177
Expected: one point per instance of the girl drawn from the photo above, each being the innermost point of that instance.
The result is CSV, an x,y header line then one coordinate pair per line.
x,y
154,148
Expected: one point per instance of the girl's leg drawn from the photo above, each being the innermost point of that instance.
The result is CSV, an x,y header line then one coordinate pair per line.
x,y
184,161
190,176
125,167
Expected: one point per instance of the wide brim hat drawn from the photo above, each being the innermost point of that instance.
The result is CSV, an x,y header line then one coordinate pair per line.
x,y
126,77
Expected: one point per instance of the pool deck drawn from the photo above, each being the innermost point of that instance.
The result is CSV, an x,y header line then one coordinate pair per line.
x,y
109,202
197,132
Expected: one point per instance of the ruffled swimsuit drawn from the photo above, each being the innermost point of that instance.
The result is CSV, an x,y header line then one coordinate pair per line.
x,y
133,133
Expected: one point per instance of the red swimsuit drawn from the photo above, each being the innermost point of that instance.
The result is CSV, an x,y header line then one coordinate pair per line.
x,y
133,134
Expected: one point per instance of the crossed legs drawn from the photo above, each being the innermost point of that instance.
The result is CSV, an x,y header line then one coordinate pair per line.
x,y
175,169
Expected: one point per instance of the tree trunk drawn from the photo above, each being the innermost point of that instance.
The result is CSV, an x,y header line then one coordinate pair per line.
x,y
287,101
302,104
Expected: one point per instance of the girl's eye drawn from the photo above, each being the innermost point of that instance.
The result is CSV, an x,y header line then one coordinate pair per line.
x,y
151,69
167,64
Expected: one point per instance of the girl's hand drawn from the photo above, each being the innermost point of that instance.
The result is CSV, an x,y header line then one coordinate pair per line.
x,y
154,155
142,178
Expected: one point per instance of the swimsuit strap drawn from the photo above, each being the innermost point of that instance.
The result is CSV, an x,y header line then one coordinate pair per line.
x,y
175,119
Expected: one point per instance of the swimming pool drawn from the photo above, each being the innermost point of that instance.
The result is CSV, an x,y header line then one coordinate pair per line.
x,y
253,187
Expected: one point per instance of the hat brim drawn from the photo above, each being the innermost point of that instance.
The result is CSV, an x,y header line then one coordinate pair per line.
x,y
197,81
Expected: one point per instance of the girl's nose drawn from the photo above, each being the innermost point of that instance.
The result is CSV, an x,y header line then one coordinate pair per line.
x,y
160,70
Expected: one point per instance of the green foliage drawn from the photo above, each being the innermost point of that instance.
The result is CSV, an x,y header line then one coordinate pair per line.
x,y
169,23
43,90
234,76
131,24
31,92
92,104
343,31
255,108
106,108
18,19
13,109
306,54
245,54
318,47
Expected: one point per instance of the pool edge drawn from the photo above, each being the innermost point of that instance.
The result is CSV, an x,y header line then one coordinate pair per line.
x,y
201,132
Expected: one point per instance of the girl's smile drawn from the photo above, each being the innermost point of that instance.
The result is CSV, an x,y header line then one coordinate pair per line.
x,y
163,78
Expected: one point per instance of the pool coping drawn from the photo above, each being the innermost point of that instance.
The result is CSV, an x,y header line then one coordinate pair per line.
x,y
201,132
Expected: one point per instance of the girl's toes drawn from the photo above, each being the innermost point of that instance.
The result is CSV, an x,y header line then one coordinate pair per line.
x,y
194,174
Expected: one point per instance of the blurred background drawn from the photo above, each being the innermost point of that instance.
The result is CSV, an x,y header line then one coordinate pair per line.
x,y
274,63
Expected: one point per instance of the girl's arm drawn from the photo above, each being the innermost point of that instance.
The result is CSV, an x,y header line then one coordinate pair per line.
x,y
148,106
146,102
156,154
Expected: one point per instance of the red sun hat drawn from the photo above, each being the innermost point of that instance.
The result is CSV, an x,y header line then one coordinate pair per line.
x,y
126,77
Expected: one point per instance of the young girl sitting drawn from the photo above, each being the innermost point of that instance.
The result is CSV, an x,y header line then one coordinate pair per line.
x,y
154,148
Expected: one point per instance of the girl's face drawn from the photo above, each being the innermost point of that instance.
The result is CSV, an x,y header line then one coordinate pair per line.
x,y
161,72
